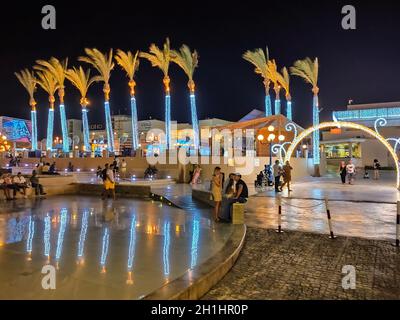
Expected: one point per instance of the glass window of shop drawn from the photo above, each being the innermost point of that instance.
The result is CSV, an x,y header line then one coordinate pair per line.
x,y
343,150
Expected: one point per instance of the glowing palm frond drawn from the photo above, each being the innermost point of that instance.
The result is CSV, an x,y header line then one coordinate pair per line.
x,y
28,80
186,59
81,79
306,69
159,58
128,62
55,67
102,62
284,80
273,72
47,81
259,59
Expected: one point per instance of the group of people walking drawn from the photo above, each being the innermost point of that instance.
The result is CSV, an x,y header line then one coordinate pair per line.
x,y
10,185
348,172
226,194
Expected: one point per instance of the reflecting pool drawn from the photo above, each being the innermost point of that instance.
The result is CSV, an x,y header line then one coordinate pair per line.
x,y
123,249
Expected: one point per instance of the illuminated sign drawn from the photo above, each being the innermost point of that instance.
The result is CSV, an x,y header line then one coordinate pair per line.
x,y
16,130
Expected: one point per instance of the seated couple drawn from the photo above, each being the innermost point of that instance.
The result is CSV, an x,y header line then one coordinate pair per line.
x,y
235,191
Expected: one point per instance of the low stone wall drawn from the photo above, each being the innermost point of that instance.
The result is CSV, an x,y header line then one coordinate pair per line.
x,y
203,196
129,191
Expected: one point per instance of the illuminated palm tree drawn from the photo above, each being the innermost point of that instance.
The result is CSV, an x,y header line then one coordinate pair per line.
x,y
274,76
81,80
57,69
28,80
260,60
49,84
189,61
161,58
284,80
308,70
130,63
104,64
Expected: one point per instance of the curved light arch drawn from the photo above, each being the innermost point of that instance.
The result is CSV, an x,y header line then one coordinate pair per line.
x,y
325,125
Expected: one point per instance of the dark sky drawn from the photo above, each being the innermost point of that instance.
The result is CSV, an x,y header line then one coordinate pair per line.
x,y
362,65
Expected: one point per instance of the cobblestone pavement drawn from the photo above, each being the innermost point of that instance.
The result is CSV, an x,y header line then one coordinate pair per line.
x,y
296,265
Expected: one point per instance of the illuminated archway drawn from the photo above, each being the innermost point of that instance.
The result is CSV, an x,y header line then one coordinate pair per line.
x,y
325,125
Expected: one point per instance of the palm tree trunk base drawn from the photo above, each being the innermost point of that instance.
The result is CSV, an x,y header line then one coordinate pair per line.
x,y
317,173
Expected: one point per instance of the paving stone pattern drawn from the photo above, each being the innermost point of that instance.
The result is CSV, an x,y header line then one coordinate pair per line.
x,y
298,265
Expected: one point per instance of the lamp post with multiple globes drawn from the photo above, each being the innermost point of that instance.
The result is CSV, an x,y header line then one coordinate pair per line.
x,y
270,139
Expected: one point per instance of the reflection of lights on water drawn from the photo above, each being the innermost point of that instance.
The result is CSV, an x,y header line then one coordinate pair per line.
x,y
104,249
61,233
46,236
131,252
31,232
166,248
195,243
82,236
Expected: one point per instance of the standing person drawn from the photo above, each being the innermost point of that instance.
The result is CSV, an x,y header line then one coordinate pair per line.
x,y
277,174
351,171
36,185
115,165
287,175
70,167
377,167
123,168
3,187
216,190
20,182
109,182
343,171
196,174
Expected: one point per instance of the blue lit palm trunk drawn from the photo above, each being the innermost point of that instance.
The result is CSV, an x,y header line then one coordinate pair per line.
x,y
268,106
109,129
195,121
289,109
34,129
135,127
168,120
64,128
277,106
85,124
316,155
50,128
277,100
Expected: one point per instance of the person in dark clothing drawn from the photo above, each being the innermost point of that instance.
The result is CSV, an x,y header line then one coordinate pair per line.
x,y
36,185
343,172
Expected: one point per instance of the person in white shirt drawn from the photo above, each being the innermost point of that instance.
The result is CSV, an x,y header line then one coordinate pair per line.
x,y
351,171
277,169
123,168
20,183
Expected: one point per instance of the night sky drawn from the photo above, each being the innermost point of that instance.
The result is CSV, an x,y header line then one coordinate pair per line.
x,y
362,65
